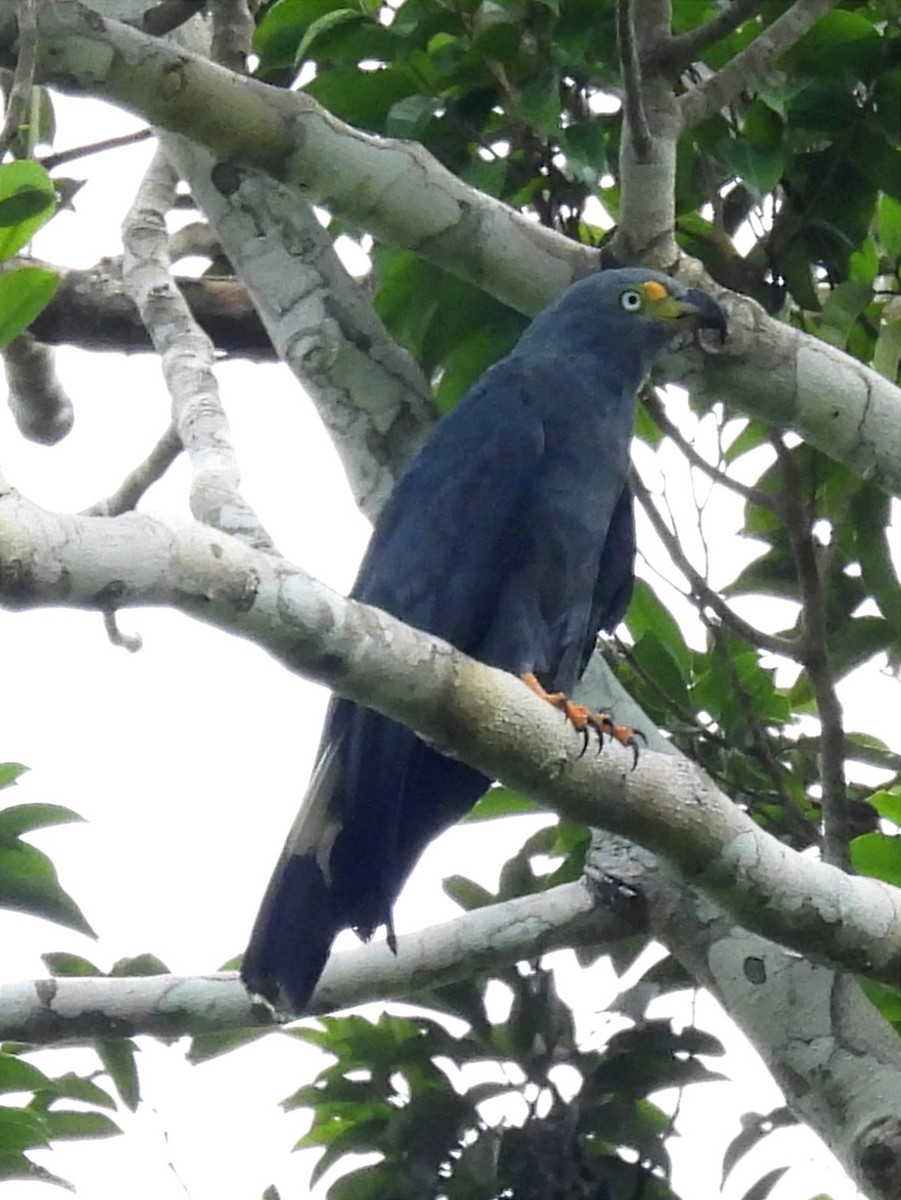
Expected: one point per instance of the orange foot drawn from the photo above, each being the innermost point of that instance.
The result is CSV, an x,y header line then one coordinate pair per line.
x,y
583,720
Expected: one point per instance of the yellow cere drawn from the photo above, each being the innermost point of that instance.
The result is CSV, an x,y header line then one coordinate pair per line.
x,y
654,290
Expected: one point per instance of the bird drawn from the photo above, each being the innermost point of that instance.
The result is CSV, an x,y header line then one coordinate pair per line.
x,y
511,536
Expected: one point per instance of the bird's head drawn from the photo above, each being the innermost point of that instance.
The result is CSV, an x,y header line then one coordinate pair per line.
x,y
668,303
628,316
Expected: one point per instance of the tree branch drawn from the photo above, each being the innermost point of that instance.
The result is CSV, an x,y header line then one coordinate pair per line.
x,y
40,407
701,591
136,483
370,394
187,361
815,657
752,63
658,414
166,1005
402,195
631,73
91,310
817,1032
681,49
485,716
19,96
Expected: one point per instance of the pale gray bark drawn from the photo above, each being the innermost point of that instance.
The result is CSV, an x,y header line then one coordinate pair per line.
x,y
487,717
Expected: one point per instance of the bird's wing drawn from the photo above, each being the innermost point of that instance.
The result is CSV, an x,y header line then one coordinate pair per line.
x,y
613,589
441,549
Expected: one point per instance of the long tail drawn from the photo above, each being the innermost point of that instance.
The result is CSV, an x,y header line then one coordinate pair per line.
x,y
377,797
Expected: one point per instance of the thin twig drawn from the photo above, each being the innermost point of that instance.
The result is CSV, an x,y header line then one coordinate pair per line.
x,y
703,595
683,48
136,483
631,73
815,658
132,642
50,161
657,412
20,91
753,62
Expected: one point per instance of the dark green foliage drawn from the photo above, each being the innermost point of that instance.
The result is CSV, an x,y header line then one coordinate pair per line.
x,y
421,1096
40,1113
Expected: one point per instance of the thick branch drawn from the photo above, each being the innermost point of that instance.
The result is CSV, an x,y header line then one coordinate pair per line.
x,y
752,63
399,192
817,1032
394,188
368,391
484,715
167,1005
91,310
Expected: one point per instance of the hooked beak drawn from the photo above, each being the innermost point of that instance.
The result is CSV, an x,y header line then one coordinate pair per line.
x,y
703,311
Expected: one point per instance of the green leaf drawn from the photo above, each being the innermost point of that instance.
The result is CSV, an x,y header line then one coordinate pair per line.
x,y
887,355
842,45
69,1125
29,884
760,167
27,201
24,293
23,818
324,24
539,103
501,802
467,893
842,307
877,855
889,226
647,614
66,965
119,1062
9,773
21,1129
19,1076
888,804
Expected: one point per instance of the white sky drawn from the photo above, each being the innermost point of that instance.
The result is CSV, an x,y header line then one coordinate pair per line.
x,y
188,759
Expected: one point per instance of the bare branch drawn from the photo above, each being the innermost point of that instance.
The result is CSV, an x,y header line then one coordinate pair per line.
x,y
20,91
232,30
701,591
681,49
167,15
90,309
132,642
163,1005
631,73
187,361
136,483
485,716
752,63
61,157
368,391
814,654
40,407
752,495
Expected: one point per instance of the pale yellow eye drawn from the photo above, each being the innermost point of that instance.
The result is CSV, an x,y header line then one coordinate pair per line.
x,y
631,301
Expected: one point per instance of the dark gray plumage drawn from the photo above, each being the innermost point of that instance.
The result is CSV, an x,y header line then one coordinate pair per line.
x,y
511,536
